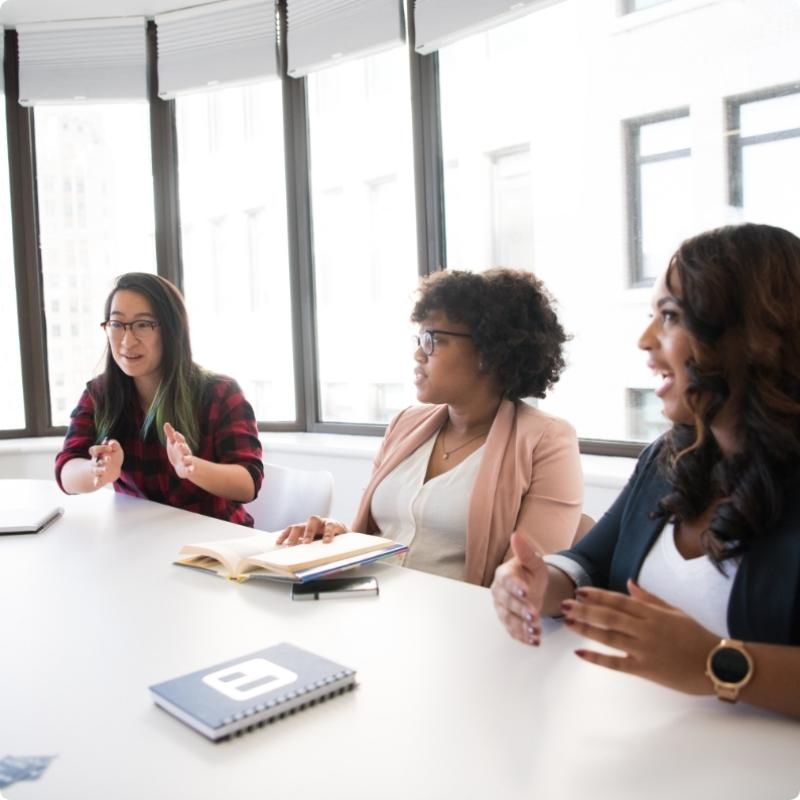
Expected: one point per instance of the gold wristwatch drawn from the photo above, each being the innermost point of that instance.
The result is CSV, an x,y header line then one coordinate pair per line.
x,y
730,668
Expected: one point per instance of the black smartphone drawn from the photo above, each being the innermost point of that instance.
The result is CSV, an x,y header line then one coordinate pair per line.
x,y
330,588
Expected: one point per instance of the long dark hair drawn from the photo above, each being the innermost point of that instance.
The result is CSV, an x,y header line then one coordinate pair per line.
x,y
739,289
182,381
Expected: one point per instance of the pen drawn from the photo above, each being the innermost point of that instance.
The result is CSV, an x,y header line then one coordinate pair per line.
x,y
97,461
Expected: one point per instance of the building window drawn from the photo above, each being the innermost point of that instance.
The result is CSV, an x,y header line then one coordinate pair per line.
x,y
764,150
512,208
100,154
660,191
232,185
364,241
645,420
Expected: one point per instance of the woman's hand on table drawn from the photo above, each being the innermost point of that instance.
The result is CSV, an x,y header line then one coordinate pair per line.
x,y
106,462
315,528
518,591
658,641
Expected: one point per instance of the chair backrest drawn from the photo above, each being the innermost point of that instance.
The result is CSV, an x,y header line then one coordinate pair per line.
x,y
585,524
290,495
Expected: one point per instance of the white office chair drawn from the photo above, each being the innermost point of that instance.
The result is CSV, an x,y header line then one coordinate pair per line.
x,y
290,495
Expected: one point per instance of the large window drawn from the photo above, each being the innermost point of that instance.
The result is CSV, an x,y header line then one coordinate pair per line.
x,y
764,135
660,191
365,256
12,410
586,151
95,189
234,236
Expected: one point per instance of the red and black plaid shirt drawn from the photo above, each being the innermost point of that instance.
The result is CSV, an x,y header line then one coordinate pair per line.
x,y
228,435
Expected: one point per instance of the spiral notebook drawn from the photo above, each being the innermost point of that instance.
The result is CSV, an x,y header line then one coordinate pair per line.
x,y
252,690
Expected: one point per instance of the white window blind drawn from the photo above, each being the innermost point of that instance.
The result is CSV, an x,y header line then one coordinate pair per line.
x,y
219,44
441,22
326,32
96,60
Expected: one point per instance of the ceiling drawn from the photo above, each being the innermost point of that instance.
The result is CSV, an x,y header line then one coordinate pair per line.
x,y
13,12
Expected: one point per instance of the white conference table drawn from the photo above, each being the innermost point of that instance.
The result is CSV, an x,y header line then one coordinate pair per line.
x,y
448,706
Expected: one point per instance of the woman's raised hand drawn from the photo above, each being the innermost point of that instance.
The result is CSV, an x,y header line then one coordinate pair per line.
x,y
518,591
657,641
314,528
106,462
178,452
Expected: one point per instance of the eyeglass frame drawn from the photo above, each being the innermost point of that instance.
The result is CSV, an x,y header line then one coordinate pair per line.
x,y
430,334
110,328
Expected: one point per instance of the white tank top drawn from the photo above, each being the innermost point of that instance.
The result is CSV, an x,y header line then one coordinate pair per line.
x,y
431,518
694,585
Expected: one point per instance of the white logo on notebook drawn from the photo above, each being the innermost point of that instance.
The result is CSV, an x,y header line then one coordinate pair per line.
x,y
249,679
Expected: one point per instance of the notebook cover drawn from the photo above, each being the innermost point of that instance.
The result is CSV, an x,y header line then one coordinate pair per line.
x,y
249,690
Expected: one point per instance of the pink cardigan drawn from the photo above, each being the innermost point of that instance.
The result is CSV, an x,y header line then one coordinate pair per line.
x,y
529,480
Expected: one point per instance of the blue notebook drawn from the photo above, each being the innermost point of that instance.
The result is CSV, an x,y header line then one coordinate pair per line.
x,y
251,690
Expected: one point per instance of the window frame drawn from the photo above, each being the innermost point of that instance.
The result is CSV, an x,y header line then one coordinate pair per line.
x,y
737,143
429,210
634,162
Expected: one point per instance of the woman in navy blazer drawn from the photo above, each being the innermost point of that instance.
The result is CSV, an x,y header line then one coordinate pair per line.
x,y
694,572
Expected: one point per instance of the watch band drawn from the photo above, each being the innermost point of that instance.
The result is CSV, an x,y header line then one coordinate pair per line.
x,y
730,668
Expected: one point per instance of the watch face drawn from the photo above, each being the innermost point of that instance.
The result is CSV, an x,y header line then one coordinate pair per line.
x,y
729,665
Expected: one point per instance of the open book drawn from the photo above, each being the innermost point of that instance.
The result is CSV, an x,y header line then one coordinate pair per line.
x,y
257,556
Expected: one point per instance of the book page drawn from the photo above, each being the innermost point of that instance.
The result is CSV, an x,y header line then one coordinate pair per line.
x,y
232,554
306,555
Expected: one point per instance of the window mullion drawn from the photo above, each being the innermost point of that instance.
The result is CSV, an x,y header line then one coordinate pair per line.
x,y
27,261
164,152
298,201
428,172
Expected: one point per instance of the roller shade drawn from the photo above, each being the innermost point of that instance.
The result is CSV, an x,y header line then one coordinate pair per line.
x,y
219,44
84,60
325,32
441,22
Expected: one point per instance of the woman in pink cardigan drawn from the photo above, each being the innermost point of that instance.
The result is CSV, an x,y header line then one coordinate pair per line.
x,y
456,476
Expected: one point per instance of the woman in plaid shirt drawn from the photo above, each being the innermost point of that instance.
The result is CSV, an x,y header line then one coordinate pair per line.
x,y
155,424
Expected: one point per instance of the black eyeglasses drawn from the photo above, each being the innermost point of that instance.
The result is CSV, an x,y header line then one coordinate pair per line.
x,y
426,340
141,328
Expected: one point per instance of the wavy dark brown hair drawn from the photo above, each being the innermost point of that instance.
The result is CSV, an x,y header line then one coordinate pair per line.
x,y
739,291
512,321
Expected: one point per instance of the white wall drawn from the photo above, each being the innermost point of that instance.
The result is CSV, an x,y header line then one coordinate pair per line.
x,y
349,458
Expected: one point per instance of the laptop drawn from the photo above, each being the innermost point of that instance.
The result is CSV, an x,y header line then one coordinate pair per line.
x,y
27,520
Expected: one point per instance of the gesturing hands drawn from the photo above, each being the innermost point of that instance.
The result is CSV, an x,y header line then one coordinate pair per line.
x,y
107,461
178,452
659,642
518,591
302,533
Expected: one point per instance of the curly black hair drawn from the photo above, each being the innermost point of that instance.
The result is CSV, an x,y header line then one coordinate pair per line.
x,y
740,295
511,318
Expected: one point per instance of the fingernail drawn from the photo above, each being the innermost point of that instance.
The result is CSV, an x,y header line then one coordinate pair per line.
x,y
569,621
530,630
580,653
520,593
529,616
566,605
581,594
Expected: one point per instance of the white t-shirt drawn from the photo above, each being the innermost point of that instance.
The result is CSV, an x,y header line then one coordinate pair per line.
x,y
431,518
694,585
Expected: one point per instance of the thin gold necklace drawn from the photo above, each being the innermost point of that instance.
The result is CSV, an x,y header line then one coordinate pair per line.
x,y
447,453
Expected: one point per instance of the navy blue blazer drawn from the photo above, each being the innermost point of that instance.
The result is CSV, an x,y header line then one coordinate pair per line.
x,y
764,604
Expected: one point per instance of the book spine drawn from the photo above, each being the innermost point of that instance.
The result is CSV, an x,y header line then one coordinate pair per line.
x,y
288,703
